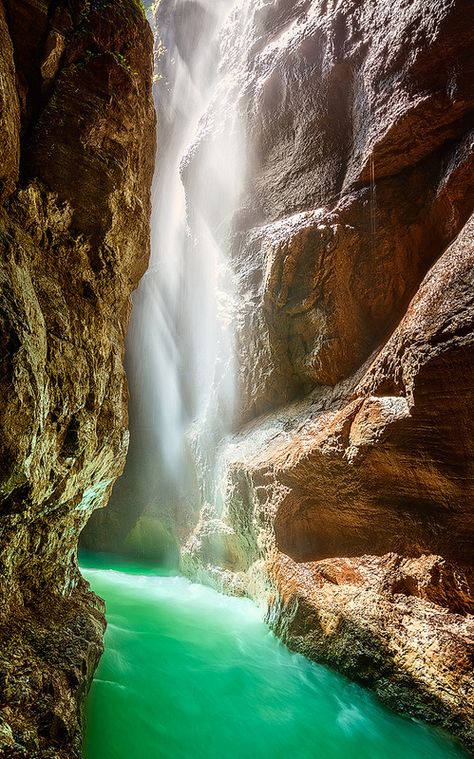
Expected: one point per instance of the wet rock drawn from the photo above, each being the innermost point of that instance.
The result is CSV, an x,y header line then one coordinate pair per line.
x,y
354,187
379,463
346,492
381,621
353,259
9,113
80,76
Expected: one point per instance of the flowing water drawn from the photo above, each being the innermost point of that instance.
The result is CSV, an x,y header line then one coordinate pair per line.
x,y
191,674
188,673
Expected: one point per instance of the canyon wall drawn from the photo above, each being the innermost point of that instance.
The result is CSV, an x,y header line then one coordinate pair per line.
x,y
76,160
348,486
345,496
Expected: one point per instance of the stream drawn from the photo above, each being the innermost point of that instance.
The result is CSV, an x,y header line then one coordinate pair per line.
x,y
189,673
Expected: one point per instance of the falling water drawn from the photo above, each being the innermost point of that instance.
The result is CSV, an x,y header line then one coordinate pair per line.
x,y
180,361
188,672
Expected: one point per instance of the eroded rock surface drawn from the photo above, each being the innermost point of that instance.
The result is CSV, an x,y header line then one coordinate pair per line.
x,y
377,470
76,161
348,492
357,185
345,496
398,625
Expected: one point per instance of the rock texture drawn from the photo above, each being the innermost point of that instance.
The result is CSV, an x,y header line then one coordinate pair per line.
x,y
76,162
398,625
347,491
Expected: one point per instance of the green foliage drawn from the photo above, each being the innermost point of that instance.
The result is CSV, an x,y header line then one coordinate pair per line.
x,y
99,5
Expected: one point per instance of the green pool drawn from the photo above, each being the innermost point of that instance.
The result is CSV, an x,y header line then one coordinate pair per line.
x,y
188,674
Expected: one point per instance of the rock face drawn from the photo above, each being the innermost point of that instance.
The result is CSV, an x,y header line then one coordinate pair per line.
x,y
348,488
76,162
398,625
346,493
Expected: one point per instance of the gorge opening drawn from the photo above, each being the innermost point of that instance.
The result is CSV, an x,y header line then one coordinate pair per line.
x,y
224,237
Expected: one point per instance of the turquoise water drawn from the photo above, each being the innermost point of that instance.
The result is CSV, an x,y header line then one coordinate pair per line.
x,y
189,673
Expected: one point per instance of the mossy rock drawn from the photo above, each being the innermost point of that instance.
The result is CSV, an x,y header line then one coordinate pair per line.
x,y
151,541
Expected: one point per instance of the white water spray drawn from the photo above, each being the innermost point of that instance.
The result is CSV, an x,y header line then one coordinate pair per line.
x,y
180,345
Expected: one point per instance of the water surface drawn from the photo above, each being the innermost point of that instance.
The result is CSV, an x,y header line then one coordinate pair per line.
x,y
191,674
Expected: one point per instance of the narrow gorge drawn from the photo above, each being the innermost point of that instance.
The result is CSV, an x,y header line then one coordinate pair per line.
x,y
288,187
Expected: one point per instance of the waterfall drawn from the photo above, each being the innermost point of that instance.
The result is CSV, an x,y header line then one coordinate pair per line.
x,y
180,360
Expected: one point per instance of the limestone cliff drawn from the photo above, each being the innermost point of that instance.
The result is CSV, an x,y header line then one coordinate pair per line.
x,y
76,160
348,491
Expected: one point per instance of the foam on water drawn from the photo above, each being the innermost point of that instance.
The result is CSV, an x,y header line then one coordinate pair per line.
x,y
190,673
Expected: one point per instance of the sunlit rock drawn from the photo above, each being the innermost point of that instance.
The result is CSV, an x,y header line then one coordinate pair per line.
x,y
79,77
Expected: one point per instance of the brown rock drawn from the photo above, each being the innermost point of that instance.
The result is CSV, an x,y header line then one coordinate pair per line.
x,y
68,265
9,113
352,301
380,463
348,492
358,178
381,621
